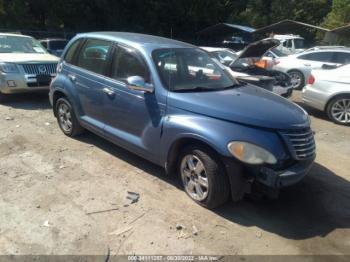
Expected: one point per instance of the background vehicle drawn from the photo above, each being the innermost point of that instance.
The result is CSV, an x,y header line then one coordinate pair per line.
x,y
299,66
54,46
170,103
290,44
249,66
329,91
25,66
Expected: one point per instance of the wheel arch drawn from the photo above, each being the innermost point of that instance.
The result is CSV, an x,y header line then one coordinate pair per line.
x,y
334,97
57,95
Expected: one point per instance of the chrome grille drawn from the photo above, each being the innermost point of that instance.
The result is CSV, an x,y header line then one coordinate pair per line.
x,y
39,69
301,143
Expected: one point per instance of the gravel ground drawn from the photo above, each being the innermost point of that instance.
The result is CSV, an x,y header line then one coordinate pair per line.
x,y
51,185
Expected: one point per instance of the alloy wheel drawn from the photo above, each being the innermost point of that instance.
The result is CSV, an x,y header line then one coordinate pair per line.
x,y
296,79
65,118
341,111
194,177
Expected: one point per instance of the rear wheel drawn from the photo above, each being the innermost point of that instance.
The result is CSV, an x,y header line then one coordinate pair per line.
x,y
66,118
203,177
338,110
2,97
297,79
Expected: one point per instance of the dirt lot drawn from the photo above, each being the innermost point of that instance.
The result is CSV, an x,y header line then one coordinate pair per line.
x,y
50,183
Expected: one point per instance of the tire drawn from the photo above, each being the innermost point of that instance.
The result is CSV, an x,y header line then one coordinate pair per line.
x,y
338,110
66,118
213,173
2,98
296,74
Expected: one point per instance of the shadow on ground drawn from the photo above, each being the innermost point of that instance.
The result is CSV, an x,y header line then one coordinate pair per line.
x,y
316,206
29,101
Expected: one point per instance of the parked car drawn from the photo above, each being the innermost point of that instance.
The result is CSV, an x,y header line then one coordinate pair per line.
x,y
170,103
249,66
329,91
54,46
290,44
299,66
25,66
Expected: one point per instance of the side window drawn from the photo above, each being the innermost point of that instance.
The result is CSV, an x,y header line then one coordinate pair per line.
x,y
127,62
289,43
93,55
44,44
70,54
319,56
341,58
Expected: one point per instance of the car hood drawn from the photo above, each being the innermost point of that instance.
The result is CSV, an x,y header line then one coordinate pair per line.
x,y
258,49
25,58
248,104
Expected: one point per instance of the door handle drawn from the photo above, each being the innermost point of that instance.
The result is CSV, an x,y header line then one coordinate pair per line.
x,y
72,77
108,91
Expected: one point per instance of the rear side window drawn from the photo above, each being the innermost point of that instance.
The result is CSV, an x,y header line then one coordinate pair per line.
x,y
69,56
319,56
341,58
93,55
127,62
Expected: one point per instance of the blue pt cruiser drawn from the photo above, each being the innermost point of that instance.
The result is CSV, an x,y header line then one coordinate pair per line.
x,y
170,103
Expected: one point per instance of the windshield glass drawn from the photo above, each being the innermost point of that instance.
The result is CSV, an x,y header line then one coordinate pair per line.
x,y
57,44
299,43
19,44
224,56
278,52
190,69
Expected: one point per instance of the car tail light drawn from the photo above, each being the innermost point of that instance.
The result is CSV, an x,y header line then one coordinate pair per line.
x,y
311,80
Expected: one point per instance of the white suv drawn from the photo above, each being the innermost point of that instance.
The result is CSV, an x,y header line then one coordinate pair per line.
x,y
299,66
25,65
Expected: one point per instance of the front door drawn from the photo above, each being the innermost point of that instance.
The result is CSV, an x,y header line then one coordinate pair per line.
x,y
133,117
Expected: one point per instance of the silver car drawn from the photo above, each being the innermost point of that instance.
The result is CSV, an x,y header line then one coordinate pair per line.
x,y
299,66
25,65
329,91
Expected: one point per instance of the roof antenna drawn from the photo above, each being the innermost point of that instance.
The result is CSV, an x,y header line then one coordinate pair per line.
x,y
171,32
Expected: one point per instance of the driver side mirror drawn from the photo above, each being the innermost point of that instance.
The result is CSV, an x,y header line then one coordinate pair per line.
x,y
138,83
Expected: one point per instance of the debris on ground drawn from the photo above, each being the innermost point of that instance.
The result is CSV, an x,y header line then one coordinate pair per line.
x,y
47,124
179,227
47,224
195,230
137,218
134,197
121,231
259,234
9,118
102,211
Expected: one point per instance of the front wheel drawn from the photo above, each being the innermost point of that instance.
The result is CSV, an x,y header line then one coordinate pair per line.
x,y
338,110
203,177
66,118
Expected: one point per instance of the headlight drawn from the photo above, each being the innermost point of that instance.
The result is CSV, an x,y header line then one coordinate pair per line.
x,y
8,68
251,154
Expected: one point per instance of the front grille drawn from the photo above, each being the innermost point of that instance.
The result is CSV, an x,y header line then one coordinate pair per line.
x,y
301,143
39,69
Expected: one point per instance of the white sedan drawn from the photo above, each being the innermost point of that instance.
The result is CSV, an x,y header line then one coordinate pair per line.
x,y
299,66
329,91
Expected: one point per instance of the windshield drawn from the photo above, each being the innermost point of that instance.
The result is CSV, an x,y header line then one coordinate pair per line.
x,y
299,43
278,52
190,69
224,56
19,44
57,44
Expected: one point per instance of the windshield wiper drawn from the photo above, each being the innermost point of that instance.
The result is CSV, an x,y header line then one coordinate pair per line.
x,y
208,89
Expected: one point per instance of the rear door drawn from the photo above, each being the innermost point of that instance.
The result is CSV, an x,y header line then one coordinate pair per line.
x,y
87,74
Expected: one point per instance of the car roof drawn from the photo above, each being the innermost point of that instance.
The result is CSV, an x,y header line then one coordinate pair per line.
x,y
136,40
335,49
13,34
53,39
